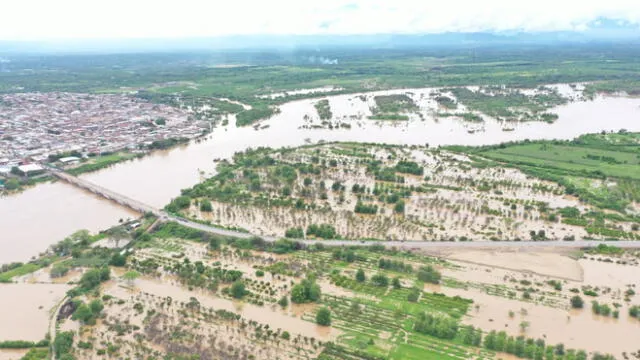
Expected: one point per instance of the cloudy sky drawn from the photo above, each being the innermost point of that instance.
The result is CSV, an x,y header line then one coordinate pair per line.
x,y
60,19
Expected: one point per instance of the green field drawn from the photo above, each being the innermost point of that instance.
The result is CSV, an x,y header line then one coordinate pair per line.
x,y
601,169
572,158
101,162
265,72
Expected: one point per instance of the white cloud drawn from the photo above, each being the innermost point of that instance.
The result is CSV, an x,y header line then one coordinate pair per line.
x,y
46,19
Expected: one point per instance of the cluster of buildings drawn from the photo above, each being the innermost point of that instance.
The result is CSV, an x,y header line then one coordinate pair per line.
x,y
36,125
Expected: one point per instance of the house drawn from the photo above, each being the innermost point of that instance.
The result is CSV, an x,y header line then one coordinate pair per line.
x,y
69,160
30,169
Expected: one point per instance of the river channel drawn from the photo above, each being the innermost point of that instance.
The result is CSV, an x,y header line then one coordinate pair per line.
x,y
34,219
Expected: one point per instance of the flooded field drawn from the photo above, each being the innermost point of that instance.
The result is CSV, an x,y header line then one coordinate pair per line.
x,y
549,264
155,179
496,287
575,328
27,308
282,319
12,354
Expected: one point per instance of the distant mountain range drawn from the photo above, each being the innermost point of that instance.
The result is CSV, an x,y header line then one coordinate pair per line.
x,y
599,30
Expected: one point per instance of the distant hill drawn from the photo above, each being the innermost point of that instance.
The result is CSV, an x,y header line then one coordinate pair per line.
x,y
599,30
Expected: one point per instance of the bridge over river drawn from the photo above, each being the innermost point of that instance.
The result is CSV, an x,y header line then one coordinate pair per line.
x,y
409,245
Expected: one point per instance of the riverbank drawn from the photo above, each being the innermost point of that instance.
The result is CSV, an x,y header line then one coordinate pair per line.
x,y
94,162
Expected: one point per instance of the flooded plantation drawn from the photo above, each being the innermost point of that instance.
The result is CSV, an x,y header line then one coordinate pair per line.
x,y
172,170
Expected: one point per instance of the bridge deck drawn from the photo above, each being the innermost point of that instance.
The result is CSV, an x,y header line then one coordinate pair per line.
x,y
104,192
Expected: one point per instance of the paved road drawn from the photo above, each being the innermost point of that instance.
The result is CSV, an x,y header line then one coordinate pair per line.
x,y
419,245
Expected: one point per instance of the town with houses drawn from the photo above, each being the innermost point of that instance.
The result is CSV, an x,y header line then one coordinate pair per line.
x,y
34,126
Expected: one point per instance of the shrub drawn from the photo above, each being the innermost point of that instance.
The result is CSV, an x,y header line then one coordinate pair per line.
x,y
323,317
577,302
63,343
360,277
59,270
429,274
205,205
440,326
323,231
294,233
413,295
380,280
306,291
238,289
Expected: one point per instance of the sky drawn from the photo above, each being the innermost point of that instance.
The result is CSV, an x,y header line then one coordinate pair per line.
x,y
112,19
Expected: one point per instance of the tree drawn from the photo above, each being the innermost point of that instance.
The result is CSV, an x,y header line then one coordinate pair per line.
x,y
577,302
96,307
130,277
399,207
307,181
414,295
524,325
83,313
117,234
306,291
94,277
283,302
323,317
380,280
238,290
429,274
360,277
118,260
63,343
12,184
396,283
205,205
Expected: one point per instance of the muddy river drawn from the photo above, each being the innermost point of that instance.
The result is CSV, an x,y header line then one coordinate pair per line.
x,y
45,214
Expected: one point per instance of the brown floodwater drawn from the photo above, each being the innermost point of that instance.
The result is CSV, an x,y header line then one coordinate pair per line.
x,y
12,354
26,309
577,329
40,216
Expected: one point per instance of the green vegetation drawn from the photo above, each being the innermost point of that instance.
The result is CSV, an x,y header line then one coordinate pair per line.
x,y
323,317
429,274
17,269
248,117
446,102
392,107
166,143
322,231
510,105
601,169
88,314
577,302
63,343
324,109
306,291
20,344
466,116
600,309
238,290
